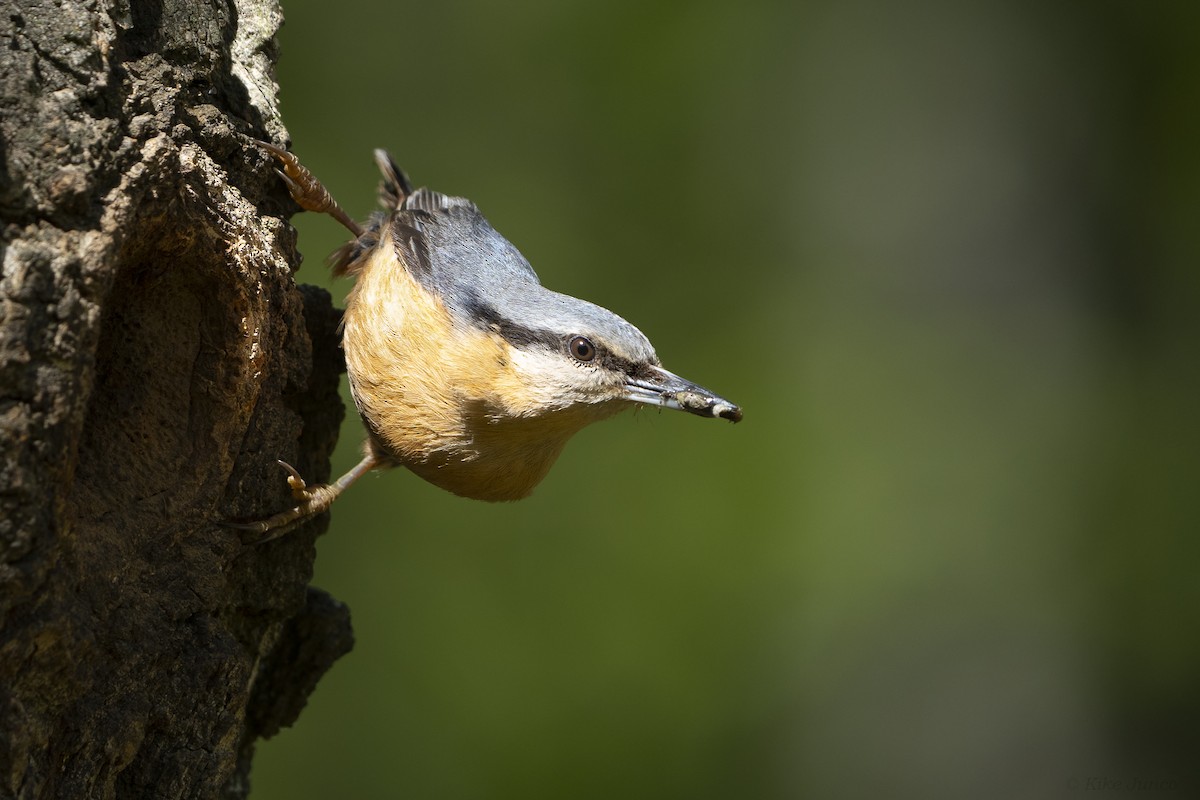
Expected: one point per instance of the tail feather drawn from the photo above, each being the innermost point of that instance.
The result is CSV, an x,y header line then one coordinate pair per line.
x,y
395,186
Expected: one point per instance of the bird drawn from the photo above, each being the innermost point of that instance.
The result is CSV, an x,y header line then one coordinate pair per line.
x,y
464,368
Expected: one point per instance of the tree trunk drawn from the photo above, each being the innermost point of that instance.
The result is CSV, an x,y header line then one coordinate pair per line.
x,y
156,358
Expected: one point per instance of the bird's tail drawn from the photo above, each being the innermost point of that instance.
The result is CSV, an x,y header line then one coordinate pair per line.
x,y
394,189
395,186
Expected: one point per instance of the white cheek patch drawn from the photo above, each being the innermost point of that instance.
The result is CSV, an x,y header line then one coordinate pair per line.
x,y
557,381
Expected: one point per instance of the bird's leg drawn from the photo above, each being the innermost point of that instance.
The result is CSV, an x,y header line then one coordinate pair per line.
x,y
306,189
310,500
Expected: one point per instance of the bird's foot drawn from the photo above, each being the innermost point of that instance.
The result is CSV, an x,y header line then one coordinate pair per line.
x,y
310,500
305,189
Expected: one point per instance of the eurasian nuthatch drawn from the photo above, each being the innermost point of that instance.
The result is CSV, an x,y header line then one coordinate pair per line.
x,y
465,369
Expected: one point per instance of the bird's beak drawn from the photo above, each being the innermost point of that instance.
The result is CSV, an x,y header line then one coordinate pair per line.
x,y
657,387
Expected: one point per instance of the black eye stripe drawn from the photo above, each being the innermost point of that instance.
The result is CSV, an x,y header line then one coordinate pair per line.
x,y
515,334
522,336
614,362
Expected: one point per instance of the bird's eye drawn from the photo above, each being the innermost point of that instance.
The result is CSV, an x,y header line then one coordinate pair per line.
x,y
582,349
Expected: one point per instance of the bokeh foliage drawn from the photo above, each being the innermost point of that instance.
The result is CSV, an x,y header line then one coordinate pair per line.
x,y
946,256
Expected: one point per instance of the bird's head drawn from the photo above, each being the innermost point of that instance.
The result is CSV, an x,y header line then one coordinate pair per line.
x,y
569,355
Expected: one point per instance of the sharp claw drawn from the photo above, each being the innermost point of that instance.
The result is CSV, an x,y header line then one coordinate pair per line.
x,y
296,190
300,490
291,470
274,149
252,527
270,528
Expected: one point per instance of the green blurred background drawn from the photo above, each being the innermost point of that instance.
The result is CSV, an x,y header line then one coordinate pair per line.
x,y
946,255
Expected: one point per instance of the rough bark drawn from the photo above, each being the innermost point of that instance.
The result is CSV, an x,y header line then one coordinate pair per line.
x,y
156,357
